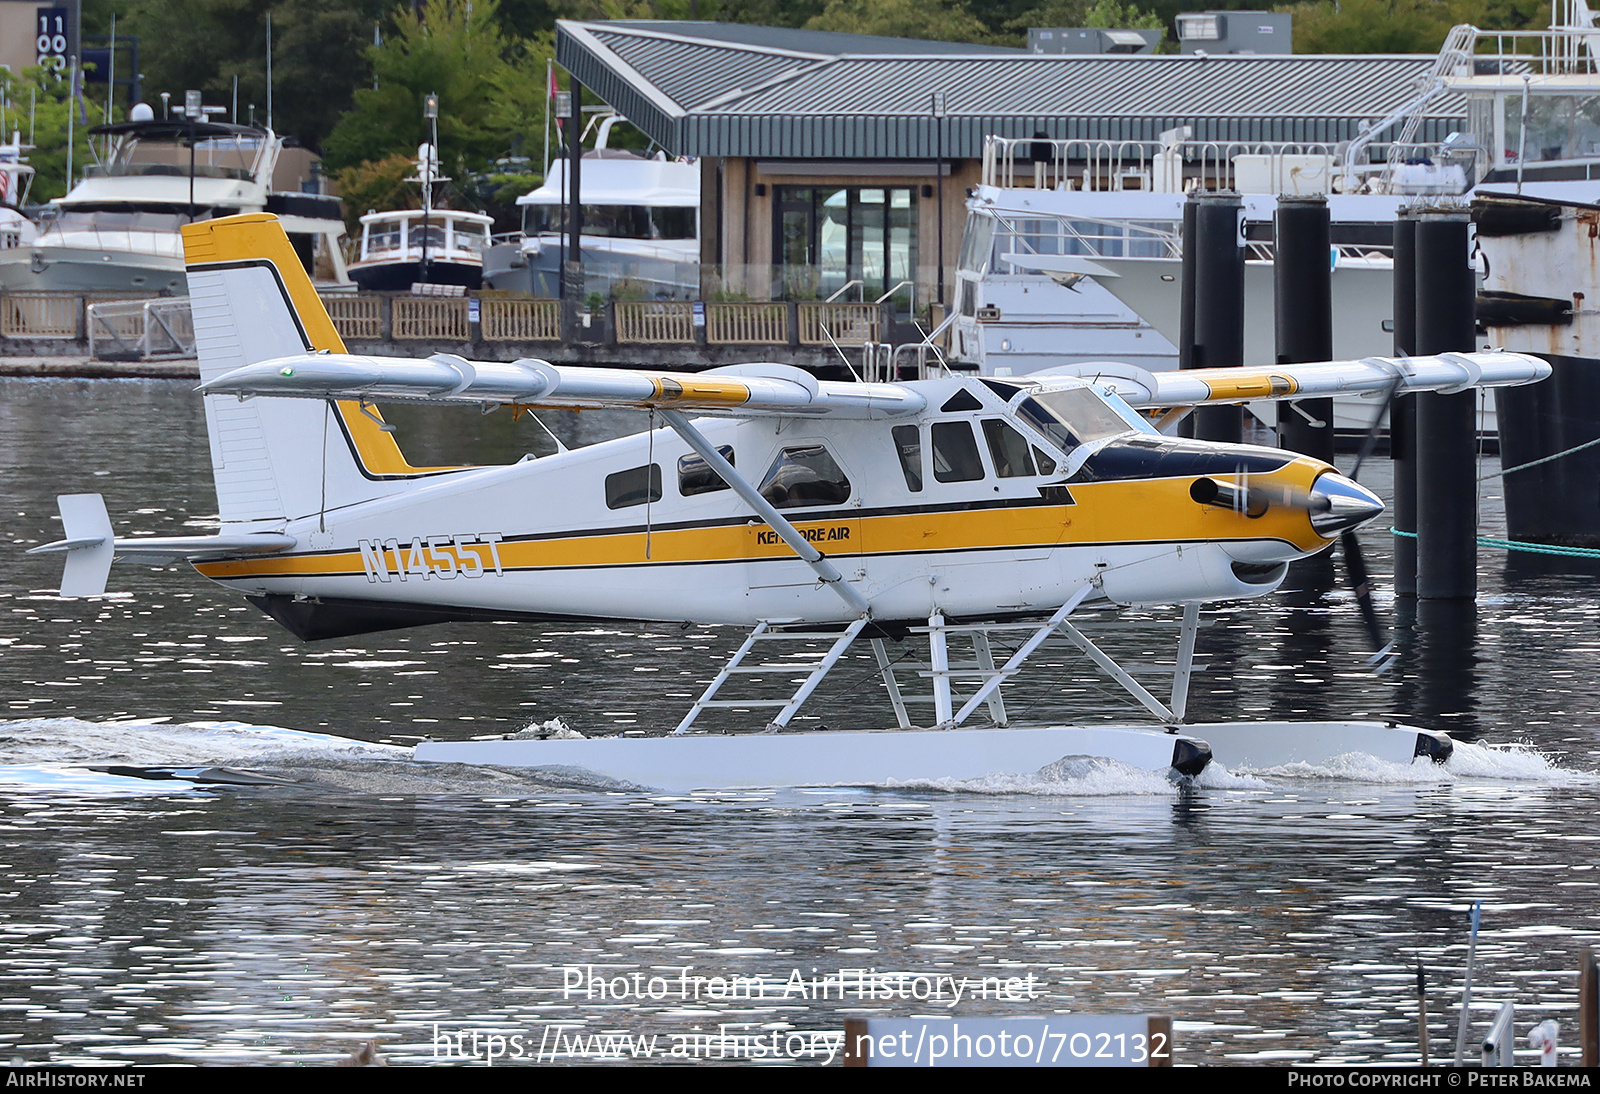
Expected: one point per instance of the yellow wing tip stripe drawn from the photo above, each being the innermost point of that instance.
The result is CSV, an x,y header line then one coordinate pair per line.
x,y
257,237
674,387
1229,384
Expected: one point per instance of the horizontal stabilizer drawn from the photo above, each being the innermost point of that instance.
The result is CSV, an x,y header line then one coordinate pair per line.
x,y
444,378
90,545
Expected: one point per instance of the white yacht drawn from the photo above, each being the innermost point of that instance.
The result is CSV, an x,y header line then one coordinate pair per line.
x,y
431,245
118,229
641,228
16,179
1073,249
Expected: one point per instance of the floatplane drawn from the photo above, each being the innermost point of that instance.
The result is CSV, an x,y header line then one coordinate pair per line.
x,y
969,512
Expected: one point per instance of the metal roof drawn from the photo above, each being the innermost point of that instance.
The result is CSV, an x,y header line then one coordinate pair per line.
x,y
704,92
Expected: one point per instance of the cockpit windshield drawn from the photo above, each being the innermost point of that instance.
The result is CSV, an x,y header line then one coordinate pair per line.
x,y
1074,416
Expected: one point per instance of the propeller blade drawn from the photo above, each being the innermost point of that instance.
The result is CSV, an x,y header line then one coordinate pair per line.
x,y
1355,564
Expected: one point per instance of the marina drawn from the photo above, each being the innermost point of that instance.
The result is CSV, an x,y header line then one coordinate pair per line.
x,y
860,556
1276,917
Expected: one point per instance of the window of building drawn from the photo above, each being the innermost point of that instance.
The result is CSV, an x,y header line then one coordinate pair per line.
x,y
805,475
634,486
824,237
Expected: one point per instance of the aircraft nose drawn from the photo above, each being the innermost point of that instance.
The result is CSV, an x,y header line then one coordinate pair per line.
x,y
1339,504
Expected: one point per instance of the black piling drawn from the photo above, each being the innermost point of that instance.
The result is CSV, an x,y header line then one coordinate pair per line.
x,y
1403,410
1302,279
1213,261
1447,488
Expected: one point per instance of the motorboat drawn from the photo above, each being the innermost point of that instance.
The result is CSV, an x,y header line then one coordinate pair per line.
x,y
640,232
117,230
427,246
16,179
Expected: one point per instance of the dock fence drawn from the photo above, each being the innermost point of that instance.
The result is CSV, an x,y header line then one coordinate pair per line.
x,y
420,318
520,320
747,324
654,321
40,315
847,324
355,317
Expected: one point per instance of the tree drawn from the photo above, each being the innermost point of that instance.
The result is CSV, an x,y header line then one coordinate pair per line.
x,y
938,20
455,50
1403,26
50,109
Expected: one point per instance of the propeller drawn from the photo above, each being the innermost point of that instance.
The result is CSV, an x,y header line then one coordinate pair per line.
x,y
1337,504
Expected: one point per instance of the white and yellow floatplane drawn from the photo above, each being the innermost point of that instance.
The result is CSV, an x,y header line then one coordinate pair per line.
x,y
947,509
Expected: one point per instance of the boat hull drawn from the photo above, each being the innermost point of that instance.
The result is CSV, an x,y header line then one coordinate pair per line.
x,y
400,276
72,270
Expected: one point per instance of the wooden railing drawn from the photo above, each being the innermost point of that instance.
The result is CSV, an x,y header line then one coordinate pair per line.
x,y
520,320
747,324
422,319
848,324
40,315
654,321
355,317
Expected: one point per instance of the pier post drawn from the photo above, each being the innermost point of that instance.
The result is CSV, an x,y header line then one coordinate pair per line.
x,y
1186,283
1447,488
1217,245
1302,281
1403,410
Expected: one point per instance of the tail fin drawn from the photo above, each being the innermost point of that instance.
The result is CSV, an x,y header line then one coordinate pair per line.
x,y
276,459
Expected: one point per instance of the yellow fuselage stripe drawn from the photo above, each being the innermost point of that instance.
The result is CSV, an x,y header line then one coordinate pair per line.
x,y
1129,512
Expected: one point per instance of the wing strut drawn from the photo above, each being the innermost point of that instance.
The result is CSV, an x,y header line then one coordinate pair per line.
x,y
830,575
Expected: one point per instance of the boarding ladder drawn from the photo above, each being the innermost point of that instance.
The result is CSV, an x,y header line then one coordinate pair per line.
x,y
771,631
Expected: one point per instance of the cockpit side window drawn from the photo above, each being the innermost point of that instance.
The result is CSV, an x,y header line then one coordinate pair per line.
x,y
805,475
908,445
1008,449
955,453
1072,416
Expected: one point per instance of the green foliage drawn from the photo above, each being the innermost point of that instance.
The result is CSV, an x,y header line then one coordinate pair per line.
x,y
1403,26
455,49
1112,15
939,20
375,185
49,156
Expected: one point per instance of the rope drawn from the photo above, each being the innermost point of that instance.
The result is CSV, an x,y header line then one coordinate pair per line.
x,y
1546,459
1519,545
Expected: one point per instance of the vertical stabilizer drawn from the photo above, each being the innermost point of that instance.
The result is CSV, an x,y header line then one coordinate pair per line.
x,y
276,459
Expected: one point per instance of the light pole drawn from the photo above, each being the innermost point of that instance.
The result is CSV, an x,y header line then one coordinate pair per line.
x,y
430,111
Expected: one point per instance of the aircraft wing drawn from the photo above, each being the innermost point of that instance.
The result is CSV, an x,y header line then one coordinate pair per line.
x,y
1375,377
742,390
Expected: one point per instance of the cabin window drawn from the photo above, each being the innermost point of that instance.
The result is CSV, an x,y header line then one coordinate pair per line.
x,y
1072,417
804,476
955,453
908,444
1008,449
634,486
695,475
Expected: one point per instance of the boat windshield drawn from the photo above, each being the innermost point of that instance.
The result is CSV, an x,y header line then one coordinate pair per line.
x,y
1077,415
213,159
615,221
104,220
